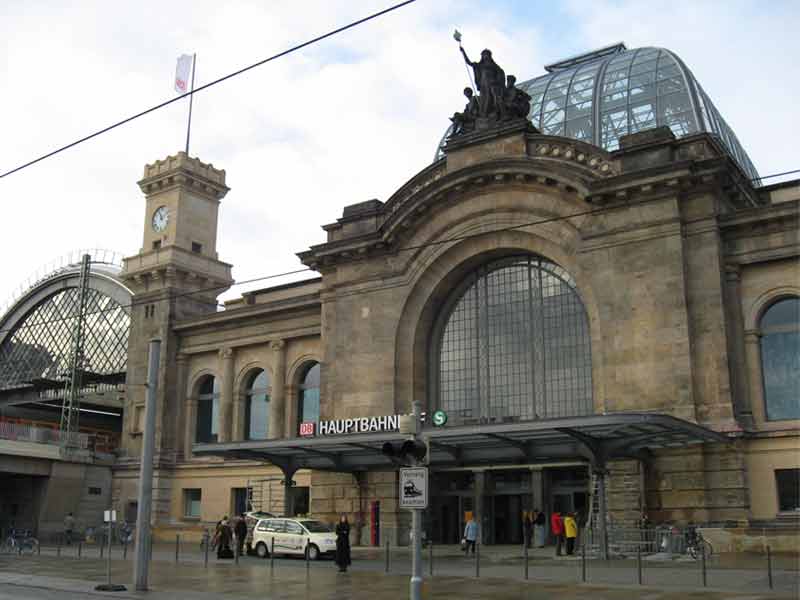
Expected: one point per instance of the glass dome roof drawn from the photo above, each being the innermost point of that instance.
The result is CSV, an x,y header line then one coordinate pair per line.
x,y
605,94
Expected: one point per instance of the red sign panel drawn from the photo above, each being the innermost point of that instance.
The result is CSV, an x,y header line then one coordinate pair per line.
x,y
306,429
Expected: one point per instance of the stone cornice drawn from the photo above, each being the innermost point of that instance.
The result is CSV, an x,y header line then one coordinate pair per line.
x,y
250,312
184,171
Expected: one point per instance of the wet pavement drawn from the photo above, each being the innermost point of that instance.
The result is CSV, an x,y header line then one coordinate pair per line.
x,y
501,578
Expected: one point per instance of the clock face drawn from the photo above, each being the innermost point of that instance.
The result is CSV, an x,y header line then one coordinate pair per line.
x,y
160,219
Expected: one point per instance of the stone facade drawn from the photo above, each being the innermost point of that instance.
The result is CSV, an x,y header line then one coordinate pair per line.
x,y
674,253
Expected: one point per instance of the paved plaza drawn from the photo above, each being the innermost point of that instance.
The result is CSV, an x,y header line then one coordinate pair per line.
x,y
735,577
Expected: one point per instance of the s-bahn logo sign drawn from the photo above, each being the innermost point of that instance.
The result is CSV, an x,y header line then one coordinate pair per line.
x,y
357,425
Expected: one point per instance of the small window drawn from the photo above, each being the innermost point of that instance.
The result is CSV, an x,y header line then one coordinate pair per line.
x,y
293,528
788,484
276,526
308,395
197,247
156,244
95,491
138,419
191,503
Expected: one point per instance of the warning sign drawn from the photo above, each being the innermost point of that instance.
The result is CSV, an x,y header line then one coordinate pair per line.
x,y
414,487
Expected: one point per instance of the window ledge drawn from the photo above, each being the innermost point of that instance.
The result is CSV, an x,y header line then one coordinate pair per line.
x,y
190,518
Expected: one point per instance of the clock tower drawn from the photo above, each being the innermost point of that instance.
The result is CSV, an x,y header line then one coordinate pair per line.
x,y
176,275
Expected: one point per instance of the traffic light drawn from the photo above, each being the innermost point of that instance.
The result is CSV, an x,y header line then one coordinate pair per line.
x,y
409,452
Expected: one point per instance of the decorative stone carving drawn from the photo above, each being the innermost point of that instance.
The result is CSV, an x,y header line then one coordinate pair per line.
x,y
226,353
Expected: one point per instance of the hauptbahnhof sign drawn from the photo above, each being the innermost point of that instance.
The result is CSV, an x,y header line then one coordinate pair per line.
x,y
355,425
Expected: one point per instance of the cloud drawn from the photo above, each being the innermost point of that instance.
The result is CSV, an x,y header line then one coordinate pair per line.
x,y
349,119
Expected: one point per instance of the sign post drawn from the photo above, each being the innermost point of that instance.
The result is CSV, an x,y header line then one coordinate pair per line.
x,y
110,517
414,496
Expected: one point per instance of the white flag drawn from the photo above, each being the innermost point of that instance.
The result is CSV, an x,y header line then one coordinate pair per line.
x,y
182,73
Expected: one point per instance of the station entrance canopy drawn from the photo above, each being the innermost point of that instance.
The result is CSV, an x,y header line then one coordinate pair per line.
x,y
596,438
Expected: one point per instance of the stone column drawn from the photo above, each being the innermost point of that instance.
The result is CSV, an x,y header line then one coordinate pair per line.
x,y
181,402
737,366
277,400
226,357
752,347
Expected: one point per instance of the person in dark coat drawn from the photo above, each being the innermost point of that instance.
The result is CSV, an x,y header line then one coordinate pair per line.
x,y
527,529
240,529
224,537
342,544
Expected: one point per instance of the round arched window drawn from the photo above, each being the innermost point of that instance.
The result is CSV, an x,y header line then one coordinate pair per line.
x,y
207,426
308,394
256,406
512,344
780,358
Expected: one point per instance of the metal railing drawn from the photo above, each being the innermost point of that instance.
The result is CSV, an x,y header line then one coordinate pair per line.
x,y
102,443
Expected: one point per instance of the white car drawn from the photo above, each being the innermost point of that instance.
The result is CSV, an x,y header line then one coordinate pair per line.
x,y
293,536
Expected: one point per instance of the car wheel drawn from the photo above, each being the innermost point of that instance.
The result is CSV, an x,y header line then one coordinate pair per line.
x,y
313,552
261,550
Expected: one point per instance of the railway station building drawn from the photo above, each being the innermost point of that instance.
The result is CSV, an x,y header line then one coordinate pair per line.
x,y
603,298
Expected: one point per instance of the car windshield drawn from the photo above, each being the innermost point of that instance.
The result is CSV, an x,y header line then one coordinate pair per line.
x,y
316,526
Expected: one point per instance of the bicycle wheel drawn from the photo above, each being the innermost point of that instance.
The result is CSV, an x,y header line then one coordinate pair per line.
x,y
29,546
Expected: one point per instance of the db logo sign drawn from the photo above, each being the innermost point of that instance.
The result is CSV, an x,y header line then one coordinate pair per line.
x,y
306,429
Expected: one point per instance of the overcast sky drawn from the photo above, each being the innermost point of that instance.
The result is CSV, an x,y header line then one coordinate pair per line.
x,y
349,119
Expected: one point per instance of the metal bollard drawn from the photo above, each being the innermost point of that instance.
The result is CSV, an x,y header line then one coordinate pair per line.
x,y
308,556
178,547
38,549
272,554
769,567
703,562
639,563
80,548
236,550
430,558
58,549
206,544
151,546
124,549
386,567
583,561
525,552
102,545
477,559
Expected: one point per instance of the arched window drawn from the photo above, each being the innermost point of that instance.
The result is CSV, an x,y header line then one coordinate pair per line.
x,y
512,344
780,359
256,406
308,395
207,409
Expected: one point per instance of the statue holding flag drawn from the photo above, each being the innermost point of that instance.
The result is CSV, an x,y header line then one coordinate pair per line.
x,y
498,99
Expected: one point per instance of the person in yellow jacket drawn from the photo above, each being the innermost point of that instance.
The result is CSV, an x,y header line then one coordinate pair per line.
x,y
571,532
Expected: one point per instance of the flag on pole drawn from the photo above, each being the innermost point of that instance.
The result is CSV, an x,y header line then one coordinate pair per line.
x,y
457,36
183,73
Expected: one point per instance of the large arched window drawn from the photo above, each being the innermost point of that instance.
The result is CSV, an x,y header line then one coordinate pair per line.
x,y
512,344
780,358
308,394
207,427
256,406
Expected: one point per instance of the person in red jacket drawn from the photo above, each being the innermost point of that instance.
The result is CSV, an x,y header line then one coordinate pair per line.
x,y
557,527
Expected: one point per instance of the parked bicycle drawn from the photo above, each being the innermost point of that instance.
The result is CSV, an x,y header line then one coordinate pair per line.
x,y
20,542
696,544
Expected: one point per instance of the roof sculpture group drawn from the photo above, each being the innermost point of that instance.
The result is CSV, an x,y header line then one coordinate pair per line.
x,y
498,98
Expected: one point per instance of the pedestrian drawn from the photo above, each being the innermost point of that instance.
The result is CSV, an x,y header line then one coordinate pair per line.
x,y
527,528
223,536
571,531
470,535
557,528
240,529
538,525
342,557
69,527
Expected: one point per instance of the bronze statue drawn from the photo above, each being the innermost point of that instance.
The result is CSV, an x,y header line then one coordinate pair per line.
x,y
490,80
465,121
498,99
